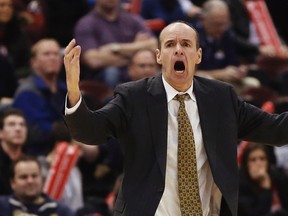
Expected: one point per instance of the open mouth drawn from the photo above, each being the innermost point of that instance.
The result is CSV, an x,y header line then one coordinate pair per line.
x,y
179,66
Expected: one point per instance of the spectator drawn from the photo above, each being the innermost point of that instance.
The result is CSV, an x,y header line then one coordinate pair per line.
x,y
41,95
247,40
269,68
14,43
109,37
27,197
219,60
13,135
263,189
143,64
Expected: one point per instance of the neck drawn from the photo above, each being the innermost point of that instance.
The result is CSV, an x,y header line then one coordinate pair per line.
x,y
13,151
32,200
181,88
108,14
51,82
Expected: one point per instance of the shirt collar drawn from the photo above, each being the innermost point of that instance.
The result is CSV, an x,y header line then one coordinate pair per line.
x,y
42,85
171,92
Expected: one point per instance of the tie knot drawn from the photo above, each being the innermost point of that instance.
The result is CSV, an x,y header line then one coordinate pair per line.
x,y
181,97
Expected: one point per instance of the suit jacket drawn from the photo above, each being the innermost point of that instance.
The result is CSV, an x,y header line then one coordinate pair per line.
x,y
137,116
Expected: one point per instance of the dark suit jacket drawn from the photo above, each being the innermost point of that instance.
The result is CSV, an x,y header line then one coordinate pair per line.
x,y
137,117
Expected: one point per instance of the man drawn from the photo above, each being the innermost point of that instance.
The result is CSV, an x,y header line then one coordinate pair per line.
x,y
28,199
143,64
143,116
219,60
109,37
41,95
13,135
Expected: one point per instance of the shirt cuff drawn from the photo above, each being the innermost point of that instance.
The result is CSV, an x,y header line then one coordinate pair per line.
x,y
71,110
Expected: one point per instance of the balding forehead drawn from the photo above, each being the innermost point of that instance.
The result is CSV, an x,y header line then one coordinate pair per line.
x,y
181,30
178,26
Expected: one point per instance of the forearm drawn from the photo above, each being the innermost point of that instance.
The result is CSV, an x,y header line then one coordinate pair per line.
x,y
96,59
128,49
213,74
85,127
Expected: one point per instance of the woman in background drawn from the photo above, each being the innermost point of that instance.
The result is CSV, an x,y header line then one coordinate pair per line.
x,y
263,189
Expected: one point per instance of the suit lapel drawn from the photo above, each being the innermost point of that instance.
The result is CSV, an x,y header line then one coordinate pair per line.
x,y
208,117
158,117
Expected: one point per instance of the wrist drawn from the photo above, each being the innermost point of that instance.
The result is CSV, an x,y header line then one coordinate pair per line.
x,y
115,48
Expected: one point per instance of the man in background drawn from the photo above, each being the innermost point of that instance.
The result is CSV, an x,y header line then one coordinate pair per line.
x,y
13,135
109,37
41,95
27,198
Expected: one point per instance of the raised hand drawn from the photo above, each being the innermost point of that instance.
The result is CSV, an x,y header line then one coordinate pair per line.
x,y
72,68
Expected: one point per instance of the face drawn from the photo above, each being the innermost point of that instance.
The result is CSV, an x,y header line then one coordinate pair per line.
x,y
257,160
48,60
14,131
178,55
143,65
216,23
27,182
6,10
108,5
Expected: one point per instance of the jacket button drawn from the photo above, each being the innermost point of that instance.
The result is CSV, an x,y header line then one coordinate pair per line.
x,y
161,189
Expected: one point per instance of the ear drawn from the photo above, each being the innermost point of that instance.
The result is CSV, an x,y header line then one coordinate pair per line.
x,y
158,56
199,56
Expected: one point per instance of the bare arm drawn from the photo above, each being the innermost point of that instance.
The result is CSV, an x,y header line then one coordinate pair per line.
x,y
72,68
230,73
102,57
118,54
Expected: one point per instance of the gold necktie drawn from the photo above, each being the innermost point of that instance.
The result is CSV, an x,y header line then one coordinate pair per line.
x,y
190,203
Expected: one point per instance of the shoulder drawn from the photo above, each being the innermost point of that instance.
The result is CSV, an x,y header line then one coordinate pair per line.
x,y
87,21
4,205
4,200
60,208
211,83
132,87
28,88
90,16
132,19
28,82
216,89
64,210
138,85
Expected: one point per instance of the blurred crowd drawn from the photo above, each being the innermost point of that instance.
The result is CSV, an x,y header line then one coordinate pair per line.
x,y
118,39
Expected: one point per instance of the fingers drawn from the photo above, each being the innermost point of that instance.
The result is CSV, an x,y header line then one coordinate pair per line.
x,y
72,52
70,46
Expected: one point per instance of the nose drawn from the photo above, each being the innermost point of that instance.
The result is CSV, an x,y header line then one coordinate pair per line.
x,y
30,179
178,49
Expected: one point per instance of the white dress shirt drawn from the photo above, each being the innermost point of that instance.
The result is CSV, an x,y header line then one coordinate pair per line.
x,y
209,193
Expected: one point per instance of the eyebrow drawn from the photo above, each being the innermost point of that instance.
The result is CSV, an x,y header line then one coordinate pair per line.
x,y
169,41
182,40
